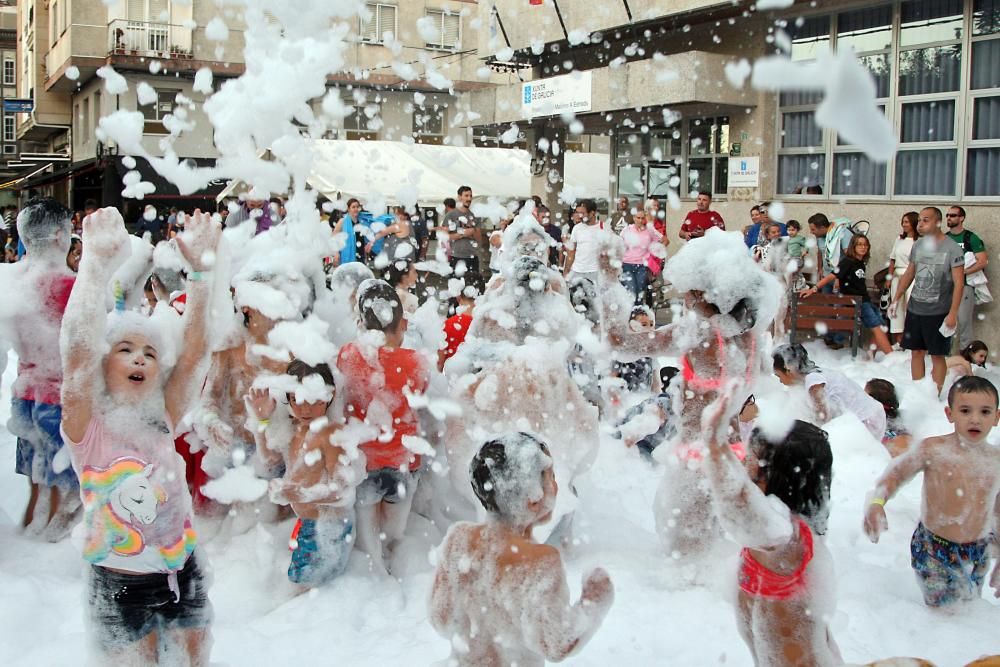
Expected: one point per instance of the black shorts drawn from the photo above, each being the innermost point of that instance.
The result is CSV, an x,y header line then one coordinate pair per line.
x,y
125,608
922,332
388,485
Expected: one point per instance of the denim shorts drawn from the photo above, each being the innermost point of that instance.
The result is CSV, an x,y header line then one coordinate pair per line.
x,y
389,485
870,316
36,426
125,608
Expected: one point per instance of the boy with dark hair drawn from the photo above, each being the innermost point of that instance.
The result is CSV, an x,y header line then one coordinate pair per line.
x,y
500,597
31,324
320,477
950,549
380,376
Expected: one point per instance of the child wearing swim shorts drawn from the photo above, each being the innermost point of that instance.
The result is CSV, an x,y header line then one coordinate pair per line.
x,y
320,477
950,548
123,393
500,597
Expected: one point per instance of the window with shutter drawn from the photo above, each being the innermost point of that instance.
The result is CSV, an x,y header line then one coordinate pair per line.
x,y
447,29
381,21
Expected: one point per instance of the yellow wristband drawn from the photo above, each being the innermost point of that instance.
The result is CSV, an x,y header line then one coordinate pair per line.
x,y
878,501
263,423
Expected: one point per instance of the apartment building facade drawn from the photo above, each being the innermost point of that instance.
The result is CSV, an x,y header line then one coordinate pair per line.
x,y
652,77
163,44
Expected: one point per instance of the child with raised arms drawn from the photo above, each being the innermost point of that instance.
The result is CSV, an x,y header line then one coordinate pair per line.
x,y
320,477
500,597
950,548
123,393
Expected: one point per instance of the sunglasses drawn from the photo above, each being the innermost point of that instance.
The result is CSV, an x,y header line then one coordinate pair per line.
x,y
952,215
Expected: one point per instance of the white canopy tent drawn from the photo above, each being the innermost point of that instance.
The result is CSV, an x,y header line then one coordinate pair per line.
x,y
392,171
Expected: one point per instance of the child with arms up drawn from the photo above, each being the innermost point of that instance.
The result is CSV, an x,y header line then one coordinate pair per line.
x,y
320,478
950,549
123,394
499,596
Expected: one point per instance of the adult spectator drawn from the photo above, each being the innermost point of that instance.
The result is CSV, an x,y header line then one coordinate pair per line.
x,y
899,259
584,243
752,231
656,216
622,217
464,232
150,223
354,244
701,219
819,226
557,253
937,272
765,221
258,210
641,241
420,224
975,262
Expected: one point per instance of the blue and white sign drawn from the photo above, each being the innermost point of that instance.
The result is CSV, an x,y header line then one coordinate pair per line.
x,y
557,95
744,172
18,106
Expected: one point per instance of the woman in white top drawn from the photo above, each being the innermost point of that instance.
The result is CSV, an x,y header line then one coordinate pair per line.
x,y
899,259
832,393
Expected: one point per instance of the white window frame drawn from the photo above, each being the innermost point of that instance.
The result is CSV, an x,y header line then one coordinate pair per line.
x,y
440,15
964,99
380,30
357,133
428,111
9,149
12,79
9,129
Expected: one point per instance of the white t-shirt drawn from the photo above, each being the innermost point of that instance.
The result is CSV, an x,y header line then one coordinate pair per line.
x,y
585,239
843,396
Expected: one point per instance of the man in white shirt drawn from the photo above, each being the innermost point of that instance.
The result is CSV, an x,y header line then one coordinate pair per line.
x,y
583,245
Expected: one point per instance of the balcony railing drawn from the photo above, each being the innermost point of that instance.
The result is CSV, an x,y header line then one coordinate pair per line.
x,y
143,38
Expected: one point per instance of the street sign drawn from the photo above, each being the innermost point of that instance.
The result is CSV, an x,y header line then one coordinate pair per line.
x,y
18,106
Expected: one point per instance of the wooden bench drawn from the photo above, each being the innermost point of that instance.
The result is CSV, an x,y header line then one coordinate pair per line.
x,y
827,311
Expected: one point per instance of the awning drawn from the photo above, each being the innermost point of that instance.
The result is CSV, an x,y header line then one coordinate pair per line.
x,y
393,171
15,183
164,188
37,178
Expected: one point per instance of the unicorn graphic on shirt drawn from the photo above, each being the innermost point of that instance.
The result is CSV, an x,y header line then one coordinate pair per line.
x,y
117,500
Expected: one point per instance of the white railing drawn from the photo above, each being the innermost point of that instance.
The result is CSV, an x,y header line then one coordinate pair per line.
x,y
143,38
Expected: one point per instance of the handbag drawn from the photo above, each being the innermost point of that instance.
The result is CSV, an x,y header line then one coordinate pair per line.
x,y
654,264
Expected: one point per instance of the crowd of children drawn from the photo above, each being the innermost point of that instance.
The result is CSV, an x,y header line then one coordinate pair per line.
x,y
356,404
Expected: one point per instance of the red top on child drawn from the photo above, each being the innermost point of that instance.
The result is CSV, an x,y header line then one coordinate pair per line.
x,y
377,383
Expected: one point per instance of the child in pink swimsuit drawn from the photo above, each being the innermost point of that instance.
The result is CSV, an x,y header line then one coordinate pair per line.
x,y
146,590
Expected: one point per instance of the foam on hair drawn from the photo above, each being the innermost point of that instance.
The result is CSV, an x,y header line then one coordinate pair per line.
x,y
41,220
121,324
506,475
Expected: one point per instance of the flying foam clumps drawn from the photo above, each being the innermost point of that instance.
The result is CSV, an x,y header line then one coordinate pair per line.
x,y
719,265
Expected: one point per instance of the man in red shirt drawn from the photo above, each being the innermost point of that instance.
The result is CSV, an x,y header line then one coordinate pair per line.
x,y
701,219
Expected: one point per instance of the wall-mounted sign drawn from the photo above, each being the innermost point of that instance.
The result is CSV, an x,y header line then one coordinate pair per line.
x,y
735,149
744,172
551,97
18,106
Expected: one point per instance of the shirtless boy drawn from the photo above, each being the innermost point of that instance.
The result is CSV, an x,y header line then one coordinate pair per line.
x,y
950,549
320,478
499,596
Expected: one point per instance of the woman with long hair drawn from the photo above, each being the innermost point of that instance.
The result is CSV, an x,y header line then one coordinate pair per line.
x,y
851,274
899,259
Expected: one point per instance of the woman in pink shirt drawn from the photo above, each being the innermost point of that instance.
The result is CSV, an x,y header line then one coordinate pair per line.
x,y
642,241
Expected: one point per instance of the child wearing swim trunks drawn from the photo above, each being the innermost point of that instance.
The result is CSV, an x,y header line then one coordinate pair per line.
x,y
320,477
950,548
379,376
37,290
499,597
775,503
123,392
